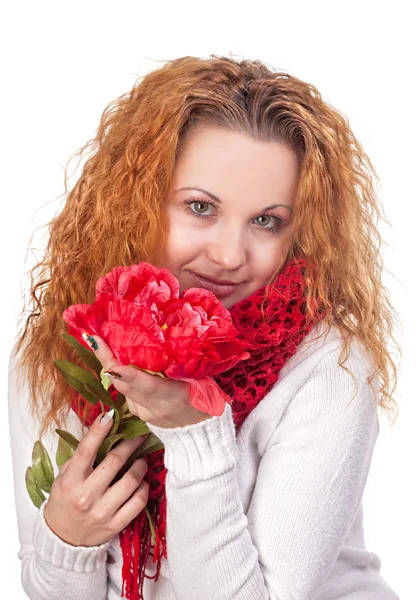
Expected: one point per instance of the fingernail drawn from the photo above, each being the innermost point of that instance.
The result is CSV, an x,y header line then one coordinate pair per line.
x,y
107,417
91,341
112,374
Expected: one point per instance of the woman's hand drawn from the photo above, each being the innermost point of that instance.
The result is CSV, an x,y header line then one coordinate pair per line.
x,y
82,509
162,402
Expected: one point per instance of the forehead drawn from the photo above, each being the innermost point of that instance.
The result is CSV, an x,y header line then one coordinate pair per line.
x,y
232,164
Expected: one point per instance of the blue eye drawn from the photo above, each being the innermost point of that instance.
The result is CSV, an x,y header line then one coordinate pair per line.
x,y
199,215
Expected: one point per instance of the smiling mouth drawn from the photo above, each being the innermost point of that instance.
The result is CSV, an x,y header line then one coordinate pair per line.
x,y
216,288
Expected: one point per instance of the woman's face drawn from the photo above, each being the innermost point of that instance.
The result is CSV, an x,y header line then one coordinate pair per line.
x,y
238,236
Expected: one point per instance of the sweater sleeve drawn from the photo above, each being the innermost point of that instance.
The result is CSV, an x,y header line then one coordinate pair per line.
x,y
50,568
308,490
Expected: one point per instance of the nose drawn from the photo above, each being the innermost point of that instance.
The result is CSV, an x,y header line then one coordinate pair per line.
x,y
227,249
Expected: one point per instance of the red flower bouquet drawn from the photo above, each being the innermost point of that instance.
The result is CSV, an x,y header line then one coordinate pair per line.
x,y
148,324
141,316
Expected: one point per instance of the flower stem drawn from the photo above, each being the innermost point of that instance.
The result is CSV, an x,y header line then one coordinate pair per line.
x,y
123,409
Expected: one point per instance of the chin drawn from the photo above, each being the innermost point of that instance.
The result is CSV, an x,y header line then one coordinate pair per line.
x,y
229,301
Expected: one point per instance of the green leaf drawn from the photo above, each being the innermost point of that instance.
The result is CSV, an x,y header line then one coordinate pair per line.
x,y
128,417
33,489
147,371
151,524
106,446
120,401
105,379
64,452
154,373
84,382
42,469
151,444
133,428
95,387
69,369
68,437
146,448
87,356
116,421
124,409
61,366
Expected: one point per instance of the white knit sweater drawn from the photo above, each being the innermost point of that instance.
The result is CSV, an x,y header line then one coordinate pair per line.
x,y
273,513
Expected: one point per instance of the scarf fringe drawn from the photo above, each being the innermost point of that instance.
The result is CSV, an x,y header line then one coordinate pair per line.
x,y
135,542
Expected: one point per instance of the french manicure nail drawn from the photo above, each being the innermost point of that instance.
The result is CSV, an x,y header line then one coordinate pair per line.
x,y
107,417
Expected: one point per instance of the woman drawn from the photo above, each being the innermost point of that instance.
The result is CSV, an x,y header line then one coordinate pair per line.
x,y
243,181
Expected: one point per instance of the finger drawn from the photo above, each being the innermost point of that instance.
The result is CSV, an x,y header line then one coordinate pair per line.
x,y
101,477
102,351
82,461
123,489
110,363
64,467
131,508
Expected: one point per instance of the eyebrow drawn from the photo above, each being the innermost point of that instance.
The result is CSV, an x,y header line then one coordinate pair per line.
x,y
219,201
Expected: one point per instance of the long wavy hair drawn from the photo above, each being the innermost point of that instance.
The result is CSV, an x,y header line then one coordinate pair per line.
x,y
114,215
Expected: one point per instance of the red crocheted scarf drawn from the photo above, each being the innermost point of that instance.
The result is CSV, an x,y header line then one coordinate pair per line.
x,y
275,338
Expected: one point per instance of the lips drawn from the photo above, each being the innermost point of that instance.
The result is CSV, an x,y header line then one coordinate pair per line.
x,y
216,288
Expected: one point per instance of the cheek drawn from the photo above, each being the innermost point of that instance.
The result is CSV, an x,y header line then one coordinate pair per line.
x,y
183,240
268,260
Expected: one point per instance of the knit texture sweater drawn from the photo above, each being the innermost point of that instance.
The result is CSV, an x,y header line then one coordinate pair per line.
x,y
273,513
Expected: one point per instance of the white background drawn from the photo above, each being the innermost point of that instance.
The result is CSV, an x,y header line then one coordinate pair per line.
x,y
63,62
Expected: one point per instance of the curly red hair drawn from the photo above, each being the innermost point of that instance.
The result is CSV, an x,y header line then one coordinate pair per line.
x,y
129,169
